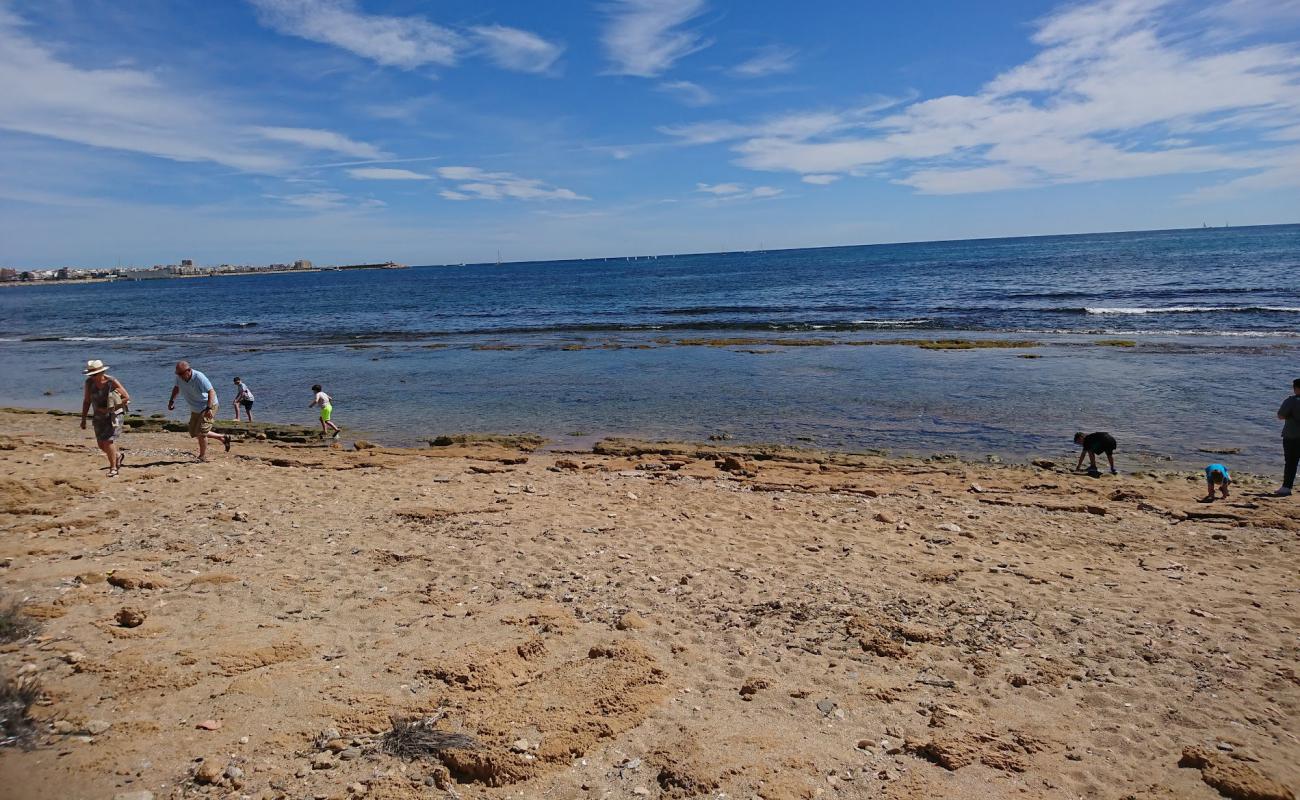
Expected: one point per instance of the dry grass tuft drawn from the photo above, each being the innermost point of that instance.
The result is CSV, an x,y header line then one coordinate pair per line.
x,y
14,624
17,696
417,737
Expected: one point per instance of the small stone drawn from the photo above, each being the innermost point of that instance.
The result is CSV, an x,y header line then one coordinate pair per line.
x,y
350,754
631,621
74,657
142,795
207,773
209,725
234,773
64,727
130,617
239,516
337,745
97,726
641,791
951,527
243,740
322,761
521,745
356,788
886,517
826,706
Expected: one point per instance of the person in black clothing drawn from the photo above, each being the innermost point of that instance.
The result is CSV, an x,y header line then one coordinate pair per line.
x,y
1094,444
1290,414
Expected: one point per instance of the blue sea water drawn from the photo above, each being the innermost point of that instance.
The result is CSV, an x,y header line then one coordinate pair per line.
x,y
595,346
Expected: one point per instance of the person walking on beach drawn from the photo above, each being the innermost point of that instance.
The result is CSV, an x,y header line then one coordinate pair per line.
x,y
201,397
326,411
108,398
243,397
1216,475
1290,414
1094,444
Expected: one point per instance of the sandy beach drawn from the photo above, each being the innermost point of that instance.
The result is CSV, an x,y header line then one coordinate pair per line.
x,y
659,621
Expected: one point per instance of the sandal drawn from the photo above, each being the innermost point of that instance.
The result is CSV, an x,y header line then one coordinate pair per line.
x,y
112,473
121,459
225,440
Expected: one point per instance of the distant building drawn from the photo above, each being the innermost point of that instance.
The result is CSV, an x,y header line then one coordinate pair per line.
x,y
7,275
302,263
187,262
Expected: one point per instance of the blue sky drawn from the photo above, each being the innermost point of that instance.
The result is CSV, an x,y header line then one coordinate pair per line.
x,y
252,131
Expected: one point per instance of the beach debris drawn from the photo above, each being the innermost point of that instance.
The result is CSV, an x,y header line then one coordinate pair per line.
x,y
1231,777
130,617
1044,463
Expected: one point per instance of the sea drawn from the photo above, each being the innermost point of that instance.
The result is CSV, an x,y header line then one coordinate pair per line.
x,y
1177,342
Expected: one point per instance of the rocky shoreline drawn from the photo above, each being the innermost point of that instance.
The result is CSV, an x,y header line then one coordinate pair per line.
x,y
484,618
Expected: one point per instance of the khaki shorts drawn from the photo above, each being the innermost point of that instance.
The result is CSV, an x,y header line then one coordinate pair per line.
x,y
199,426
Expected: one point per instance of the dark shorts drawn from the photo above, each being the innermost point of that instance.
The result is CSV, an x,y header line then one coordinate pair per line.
x,y
1100,444
108,427
248,404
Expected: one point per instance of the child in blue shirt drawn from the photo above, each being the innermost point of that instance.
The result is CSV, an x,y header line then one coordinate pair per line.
x,y
1217,474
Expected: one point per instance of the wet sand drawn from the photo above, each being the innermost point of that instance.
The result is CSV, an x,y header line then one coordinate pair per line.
x,y
647,621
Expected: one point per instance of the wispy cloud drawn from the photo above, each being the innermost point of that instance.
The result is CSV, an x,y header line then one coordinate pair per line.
x,y
727,192
772,60
387,174
518,50
326,200
691,94
1111,94
645,37
132,110
329,141
820,179
406,42
473,183
719,188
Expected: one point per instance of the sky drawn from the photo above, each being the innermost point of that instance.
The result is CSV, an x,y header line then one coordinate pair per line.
x,y
446,131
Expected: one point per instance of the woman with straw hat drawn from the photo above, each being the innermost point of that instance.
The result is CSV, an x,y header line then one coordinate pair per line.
x,y
106,395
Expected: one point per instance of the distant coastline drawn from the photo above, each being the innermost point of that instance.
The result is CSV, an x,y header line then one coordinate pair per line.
x,y
185,271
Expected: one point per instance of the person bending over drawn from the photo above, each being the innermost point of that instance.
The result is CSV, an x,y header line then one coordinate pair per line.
x,y
1094,444
1217,475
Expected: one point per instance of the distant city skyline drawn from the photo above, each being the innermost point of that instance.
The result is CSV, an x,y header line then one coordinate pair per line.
x,y
341,131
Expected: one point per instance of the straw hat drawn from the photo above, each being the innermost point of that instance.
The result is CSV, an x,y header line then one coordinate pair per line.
x,y
94,367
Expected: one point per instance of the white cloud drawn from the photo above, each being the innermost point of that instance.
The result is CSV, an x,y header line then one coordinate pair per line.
x,y
726,192
387,174
313,139
772,60
477,184
514,49
132,110
313,201
406,42
719,188
691,94
1110,94
645,37
820,179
